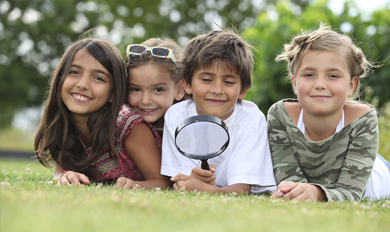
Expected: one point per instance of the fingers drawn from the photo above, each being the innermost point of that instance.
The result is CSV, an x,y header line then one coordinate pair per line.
x,y
212,168
73,178
176,186
125,183
277,194
296,193
204,175
180,177
283,188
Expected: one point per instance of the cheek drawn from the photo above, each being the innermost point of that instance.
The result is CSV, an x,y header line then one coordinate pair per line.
x,y
165,101
134,98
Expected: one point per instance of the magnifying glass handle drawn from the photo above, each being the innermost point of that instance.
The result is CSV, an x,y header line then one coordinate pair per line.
x,y
205,165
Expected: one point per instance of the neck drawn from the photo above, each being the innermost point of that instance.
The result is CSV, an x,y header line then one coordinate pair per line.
x,y
320,128
159,123
80,122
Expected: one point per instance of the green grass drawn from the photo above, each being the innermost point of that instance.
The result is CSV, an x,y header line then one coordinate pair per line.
x,y
30,201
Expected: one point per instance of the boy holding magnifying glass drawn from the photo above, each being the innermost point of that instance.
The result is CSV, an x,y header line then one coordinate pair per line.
x,y
216,71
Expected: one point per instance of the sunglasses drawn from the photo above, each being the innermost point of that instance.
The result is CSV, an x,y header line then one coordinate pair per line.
x,y
161,52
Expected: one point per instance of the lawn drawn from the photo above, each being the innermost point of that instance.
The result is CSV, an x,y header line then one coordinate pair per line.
x,y
30,201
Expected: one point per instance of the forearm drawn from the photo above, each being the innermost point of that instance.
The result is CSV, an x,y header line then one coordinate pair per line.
x,y
58,170
160,182
341,194
230,189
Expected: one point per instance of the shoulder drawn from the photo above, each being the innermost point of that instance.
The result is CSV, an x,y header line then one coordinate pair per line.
x,y
248,110
353,111
127,118
179,111
288,109
293,109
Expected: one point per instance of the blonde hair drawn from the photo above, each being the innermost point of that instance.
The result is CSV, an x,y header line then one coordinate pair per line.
x,y
324,39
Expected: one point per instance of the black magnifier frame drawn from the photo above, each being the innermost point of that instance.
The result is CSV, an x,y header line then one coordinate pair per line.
x,y
202,118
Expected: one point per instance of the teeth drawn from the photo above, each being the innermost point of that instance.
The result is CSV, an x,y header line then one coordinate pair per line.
x,y
148,110
79,97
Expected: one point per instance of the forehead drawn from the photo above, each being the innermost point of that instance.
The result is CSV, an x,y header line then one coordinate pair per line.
x,y
86,59
150,74
326,58
219,66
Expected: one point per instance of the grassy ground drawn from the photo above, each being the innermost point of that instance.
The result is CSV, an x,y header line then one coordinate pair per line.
x,y
30,201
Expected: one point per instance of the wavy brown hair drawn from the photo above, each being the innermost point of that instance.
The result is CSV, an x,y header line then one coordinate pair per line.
x,y
57,138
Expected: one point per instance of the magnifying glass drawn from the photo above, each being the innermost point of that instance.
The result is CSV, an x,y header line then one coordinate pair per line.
x,y
202,137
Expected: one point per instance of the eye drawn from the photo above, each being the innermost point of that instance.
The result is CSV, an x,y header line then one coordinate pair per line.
x,y
206,80
229,82
133,89
334,76
309,75
100,79
73,72
159,90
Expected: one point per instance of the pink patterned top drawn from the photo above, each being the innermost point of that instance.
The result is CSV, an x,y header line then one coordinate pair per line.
x,y
111,167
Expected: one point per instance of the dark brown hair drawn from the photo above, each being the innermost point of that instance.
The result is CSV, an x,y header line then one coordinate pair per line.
x,y
223,45
57,138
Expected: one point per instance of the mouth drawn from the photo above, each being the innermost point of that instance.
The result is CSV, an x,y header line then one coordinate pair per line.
x,y
148,111
80,97
320,97
216,101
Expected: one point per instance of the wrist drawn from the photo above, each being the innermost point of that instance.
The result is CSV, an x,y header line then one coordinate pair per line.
x,y
62,174
321,196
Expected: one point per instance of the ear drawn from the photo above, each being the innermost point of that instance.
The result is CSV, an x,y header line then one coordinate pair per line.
x,y
352,85
111,98
294,82
242,94
187,87
180,91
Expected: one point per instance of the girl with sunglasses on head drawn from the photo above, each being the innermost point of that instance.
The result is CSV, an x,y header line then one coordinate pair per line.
x,y
155,82
87,129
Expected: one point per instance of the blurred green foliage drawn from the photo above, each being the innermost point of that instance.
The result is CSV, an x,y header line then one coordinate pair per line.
x,y
35,33
270,33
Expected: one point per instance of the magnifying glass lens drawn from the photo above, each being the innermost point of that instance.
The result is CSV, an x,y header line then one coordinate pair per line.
x,y
201,138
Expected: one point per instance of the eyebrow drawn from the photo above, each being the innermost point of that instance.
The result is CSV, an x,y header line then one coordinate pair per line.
x,y
313,69
213,74
161,83
94,70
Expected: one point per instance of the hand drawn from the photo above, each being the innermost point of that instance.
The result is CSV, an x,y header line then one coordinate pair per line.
x,y
74,178
190,183
299,191
206,176
123,182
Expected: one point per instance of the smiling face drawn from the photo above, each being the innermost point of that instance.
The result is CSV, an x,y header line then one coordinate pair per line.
x,y
87,87
323,82
152,92
215,90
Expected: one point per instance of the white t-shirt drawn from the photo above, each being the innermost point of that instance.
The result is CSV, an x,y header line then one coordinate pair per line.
x,y
246,160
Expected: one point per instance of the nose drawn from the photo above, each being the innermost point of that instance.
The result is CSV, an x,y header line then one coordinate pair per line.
x,y
217,87
320,83
146,99
83,82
